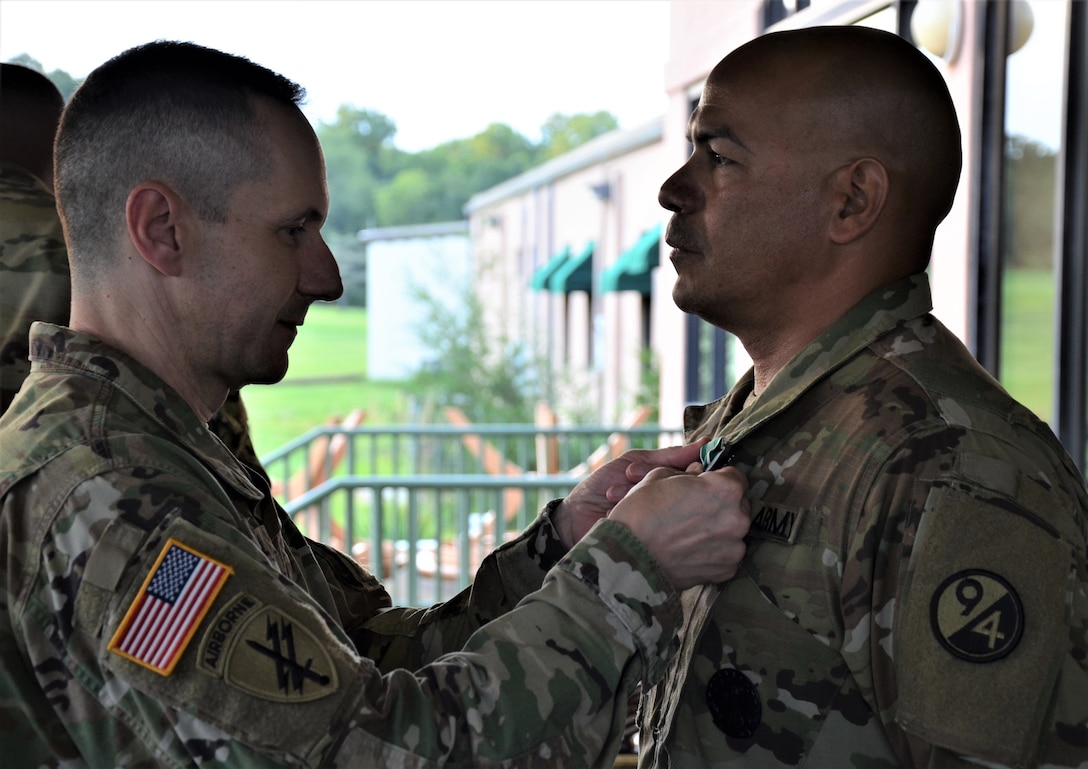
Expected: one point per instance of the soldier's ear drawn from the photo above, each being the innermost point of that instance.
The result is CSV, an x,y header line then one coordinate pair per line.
x,y
861,190
155,216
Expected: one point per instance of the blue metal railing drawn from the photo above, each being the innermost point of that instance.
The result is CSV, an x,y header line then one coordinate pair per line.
x,y
420,506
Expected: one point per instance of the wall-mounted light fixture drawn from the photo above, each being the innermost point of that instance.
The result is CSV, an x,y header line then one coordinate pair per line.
x,y
937,26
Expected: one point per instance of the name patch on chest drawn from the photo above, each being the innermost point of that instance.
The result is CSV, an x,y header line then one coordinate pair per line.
x,y
776,523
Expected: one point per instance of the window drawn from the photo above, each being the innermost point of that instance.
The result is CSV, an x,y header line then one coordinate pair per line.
x,y
1032,284
1029,254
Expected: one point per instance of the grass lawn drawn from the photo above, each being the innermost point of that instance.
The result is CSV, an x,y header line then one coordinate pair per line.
x,y
1027,339
326,380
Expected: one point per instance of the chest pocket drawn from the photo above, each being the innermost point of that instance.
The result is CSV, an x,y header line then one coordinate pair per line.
x,y
759,686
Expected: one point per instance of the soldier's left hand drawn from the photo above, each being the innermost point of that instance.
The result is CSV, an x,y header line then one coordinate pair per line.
x,y
593,498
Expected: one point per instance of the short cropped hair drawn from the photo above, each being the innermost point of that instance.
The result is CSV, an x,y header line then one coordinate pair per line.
x,y
172,112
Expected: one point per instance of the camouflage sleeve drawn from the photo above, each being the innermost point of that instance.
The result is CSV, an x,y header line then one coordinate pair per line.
x,y
162,632
966,587
407,637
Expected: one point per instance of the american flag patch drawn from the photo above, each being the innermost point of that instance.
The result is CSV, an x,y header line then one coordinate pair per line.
x,y
169,607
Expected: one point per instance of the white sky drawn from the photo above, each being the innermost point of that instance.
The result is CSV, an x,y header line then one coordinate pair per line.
x,y
440,69
445,69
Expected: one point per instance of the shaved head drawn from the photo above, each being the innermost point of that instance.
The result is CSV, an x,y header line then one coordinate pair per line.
x,y
823,160
865,92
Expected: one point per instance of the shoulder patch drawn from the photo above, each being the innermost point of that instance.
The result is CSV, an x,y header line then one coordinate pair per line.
x,y
977,616
169,607
260,650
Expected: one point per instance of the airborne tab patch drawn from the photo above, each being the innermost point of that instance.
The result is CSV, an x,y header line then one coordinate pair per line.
x,y
779,524
220,632
169,607
260,650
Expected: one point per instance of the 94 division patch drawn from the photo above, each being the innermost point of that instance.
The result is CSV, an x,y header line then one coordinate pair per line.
x,y
169,607
977,616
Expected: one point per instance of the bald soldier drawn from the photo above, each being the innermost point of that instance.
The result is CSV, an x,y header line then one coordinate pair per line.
x,y
915,591
158,608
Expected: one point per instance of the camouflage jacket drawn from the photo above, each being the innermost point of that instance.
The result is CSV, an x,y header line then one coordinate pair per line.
x,y
157,608
231,425
915,589
34,283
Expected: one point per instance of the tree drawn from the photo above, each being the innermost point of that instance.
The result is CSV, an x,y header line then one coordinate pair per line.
x,y
1030,192
374,184
360,158
435,184
491,380
411,197
562,133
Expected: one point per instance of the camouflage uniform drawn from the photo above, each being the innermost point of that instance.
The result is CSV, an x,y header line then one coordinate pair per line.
x,y
34,282
915,588
231,425
159,609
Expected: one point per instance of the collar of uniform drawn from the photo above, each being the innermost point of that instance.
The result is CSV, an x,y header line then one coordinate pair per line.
x,y
59,348
868,320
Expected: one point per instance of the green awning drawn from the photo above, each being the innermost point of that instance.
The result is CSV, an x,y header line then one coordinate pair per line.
x,y
540,278
576,274
631,272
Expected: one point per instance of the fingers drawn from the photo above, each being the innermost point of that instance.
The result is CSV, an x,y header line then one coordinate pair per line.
x,y
598,493
642,461
618,491
694,525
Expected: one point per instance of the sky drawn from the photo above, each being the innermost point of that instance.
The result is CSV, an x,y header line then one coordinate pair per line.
x,y
440,69
446,69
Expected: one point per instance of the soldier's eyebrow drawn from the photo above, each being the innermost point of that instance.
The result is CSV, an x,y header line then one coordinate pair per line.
x,y
704,135
306,215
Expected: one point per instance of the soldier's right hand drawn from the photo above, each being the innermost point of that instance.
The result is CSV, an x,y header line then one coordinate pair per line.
x,y
694,524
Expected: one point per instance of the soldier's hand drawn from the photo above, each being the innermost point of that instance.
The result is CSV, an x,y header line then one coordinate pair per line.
x,y
594,498
693,523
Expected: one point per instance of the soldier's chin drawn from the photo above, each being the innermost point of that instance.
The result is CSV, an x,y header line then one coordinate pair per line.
x,y
680,296
270,374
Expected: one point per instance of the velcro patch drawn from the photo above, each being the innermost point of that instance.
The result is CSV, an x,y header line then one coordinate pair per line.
x,y
981,623
260,650
169,607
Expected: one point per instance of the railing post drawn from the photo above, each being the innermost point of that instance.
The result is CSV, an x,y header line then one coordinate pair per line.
x,y
377,515
413,545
